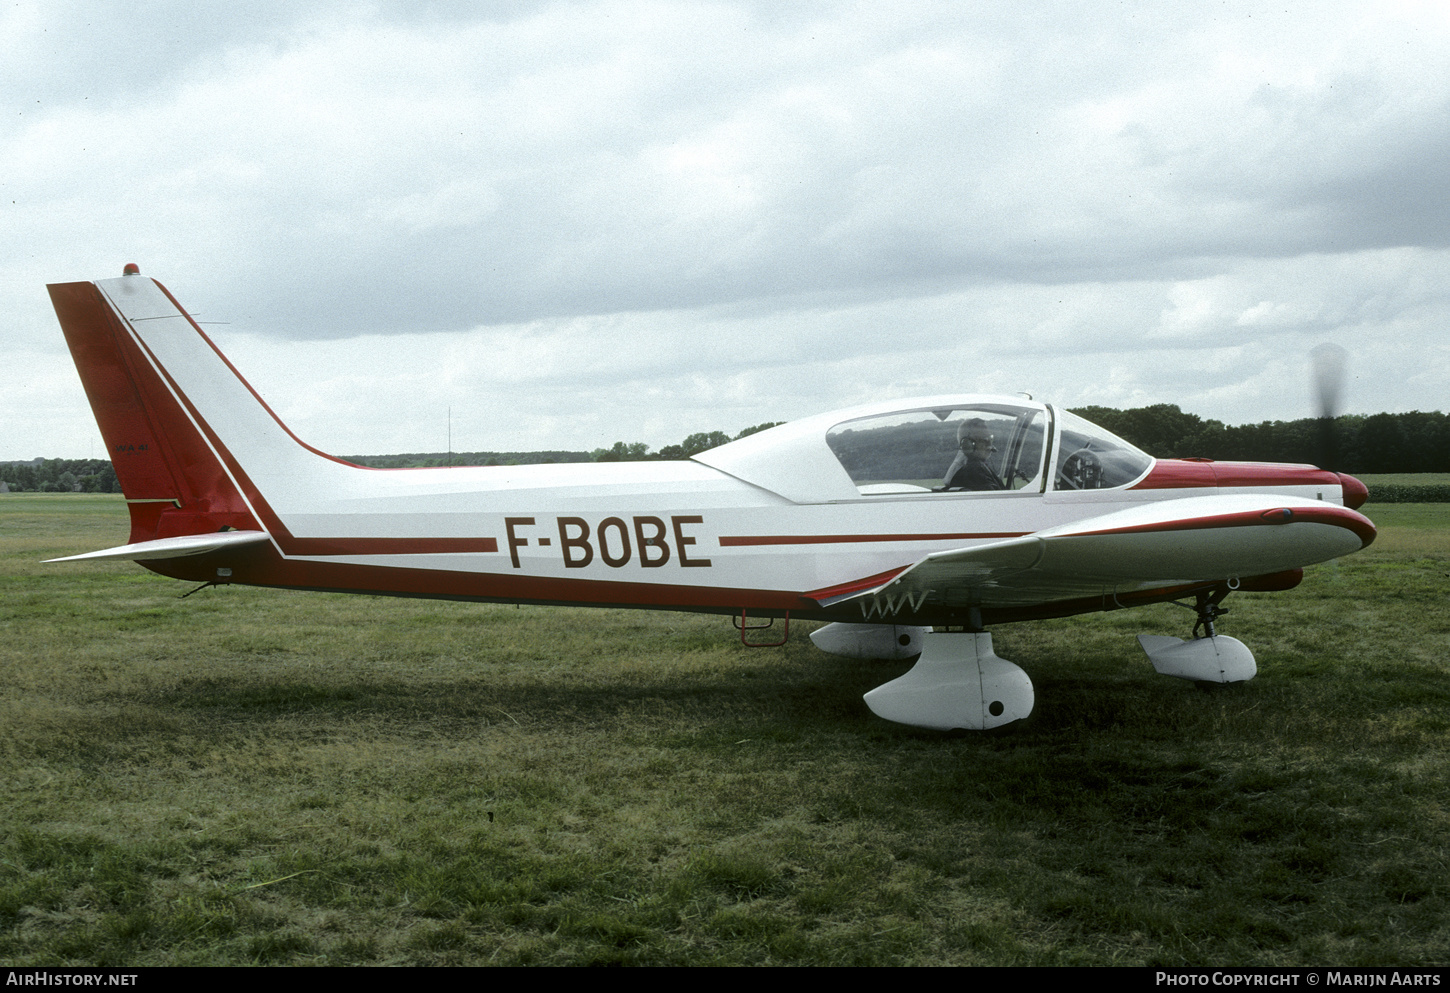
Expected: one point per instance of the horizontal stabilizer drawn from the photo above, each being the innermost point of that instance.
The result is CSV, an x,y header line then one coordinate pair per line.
x,y
172,548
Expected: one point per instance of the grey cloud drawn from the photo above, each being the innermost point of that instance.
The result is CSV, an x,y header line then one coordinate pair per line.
x,y
940,196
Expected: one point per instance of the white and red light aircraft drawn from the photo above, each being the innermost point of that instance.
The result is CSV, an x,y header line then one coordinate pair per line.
x,y
891,520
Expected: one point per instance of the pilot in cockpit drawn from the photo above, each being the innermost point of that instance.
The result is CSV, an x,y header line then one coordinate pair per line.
x,y
970,470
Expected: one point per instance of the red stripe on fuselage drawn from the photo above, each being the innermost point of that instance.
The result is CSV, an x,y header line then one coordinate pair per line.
x,y
1272,474
261,565
293,545
1177,474
729,541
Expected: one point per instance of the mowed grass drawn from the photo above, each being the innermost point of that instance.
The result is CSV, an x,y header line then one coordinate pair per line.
x,y
1405,479
254,776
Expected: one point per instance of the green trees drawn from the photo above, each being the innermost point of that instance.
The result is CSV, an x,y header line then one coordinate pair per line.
x,y
59,476
696,443
1417,441
1412,442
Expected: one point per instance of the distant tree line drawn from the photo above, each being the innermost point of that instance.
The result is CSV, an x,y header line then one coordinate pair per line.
x,y
416,460
1379,443
59,476
622,451
693,445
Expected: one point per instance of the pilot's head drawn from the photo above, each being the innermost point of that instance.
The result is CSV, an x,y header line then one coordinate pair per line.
x,y
975,438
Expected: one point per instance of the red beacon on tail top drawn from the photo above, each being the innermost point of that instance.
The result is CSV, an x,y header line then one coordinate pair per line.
x,y
890,520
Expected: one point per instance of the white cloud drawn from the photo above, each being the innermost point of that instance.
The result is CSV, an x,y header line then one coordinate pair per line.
x,y
635,220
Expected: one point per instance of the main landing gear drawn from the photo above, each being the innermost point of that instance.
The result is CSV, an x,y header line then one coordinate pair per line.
x,y
958,682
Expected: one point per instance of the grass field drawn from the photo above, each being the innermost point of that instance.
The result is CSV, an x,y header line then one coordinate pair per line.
x,y
252,776
1406,479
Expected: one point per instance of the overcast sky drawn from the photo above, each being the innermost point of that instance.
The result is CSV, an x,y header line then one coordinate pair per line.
x,y
577,223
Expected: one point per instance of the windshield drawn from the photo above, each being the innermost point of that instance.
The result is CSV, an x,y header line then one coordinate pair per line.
x,y
981,447
1090,458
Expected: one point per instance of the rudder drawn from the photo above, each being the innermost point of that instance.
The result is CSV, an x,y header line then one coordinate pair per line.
x,y
173,482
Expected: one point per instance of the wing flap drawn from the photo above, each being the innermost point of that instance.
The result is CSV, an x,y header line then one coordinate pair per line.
x,y
171,548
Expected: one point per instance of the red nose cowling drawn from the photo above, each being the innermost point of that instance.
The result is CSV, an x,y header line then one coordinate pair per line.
x,y
1355,492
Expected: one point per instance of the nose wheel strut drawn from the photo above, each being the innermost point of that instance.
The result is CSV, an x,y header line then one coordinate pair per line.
x,y
1209,610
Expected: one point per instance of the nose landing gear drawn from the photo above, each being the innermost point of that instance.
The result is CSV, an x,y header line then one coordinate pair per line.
x,y
1209,657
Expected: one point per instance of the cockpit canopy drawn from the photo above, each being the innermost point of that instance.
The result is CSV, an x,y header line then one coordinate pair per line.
x,y
1090,458
948,449
947,445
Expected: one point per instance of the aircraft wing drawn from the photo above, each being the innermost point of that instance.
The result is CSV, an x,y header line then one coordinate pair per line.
x,y
171,548
1157,545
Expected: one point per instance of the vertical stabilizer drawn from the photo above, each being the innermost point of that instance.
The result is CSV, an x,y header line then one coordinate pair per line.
x,y
174,481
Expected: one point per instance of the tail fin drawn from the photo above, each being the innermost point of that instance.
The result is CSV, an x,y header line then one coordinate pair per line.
x,y
159,387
